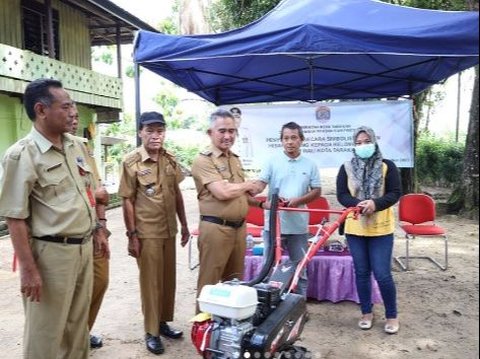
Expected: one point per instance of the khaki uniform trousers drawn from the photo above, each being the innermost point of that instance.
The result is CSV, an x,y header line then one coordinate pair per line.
x,y
56,327
156,265
222,254
100,285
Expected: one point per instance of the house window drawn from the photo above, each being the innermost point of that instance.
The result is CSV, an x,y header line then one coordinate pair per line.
x,y
35,26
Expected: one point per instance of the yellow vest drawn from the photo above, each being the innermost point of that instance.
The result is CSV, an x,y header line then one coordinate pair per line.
x,y
377,224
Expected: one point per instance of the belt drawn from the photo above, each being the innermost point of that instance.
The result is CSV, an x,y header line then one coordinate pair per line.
x,y
223,222
58,239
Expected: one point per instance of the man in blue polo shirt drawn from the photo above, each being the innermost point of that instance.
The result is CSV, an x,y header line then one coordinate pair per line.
x,y
298,181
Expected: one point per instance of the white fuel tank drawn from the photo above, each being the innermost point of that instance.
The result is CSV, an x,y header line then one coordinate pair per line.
x,y
232,301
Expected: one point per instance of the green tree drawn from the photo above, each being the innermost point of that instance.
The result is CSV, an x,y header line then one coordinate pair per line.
x,y
230,14
168,101
438,161
126,129
168,26
465,197
103,54
435,4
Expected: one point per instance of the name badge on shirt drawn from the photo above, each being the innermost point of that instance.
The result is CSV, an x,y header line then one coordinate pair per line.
x,y
56,165
144,172
80,161
81,165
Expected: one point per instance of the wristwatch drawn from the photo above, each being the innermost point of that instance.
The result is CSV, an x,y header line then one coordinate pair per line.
x,y
130,234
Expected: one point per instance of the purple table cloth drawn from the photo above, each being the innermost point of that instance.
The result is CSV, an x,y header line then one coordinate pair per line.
x,y
330,277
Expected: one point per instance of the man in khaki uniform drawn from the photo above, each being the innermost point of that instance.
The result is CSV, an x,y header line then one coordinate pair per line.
x,y
100,258
224,197
149,186
47,198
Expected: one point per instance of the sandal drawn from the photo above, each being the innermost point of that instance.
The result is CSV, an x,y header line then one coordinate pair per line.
x,y
392,327
366,322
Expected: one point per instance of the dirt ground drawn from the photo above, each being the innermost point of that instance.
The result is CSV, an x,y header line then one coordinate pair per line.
x,y
438,310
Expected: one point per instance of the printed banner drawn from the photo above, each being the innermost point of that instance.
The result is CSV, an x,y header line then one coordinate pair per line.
x,y
328,129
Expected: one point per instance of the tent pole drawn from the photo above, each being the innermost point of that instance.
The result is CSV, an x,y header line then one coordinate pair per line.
x,y
137,97
459,89
118,41
312,79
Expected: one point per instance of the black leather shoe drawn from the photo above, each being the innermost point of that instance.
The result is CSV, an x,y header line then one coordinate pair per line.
x,y
95,342
168,332
154,344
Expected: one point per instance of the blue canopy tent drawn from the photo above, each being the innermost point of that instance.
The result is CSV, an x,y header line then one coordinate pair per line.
x,y
311,50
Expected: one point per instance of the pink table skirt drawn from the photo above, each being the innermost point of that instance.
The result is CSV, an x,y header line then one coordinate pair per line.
x,y
330,277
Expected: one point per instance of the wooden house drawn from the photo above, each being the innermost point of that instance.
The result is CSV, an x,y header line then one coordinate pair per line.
x,y
54,39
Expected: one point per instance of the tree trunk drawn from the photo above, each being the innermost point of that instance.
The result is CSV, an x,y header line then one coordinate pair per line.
x,y
193,17
464,198
429,111
408,180
409,175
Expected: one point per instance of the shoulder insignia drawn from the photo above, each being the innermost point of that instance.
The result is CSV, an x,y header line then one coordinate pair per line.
x,y
206,152
132,158
78,138
16,150
75,138
84,141
168,153
171,156
171,159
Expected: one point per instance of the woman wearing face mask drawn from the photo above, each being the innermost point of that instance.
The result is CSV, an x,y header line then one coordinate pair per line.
x,y
372,183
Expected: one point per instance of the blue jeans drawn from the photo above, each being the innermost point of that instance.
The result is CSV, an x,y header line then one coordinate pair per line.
x,y
297,246
374,254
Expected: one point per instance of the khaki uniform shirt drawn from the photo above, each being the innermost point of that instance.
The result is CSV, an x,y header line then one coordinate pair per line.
x,y
50,188
152,186
213,165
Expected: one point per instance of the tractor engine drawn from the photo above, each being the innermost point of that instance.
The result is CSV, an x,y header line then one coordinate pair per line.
x,y
245,319
232,307
224,338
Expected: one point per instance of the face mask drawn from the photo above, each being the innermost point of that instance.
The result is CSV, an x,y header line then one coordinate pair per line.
x,y
365,151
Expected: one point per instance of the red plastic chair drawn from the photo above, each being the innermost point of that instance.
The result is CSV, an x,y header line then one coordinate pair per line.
x,y
417,214
255,219
318,218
